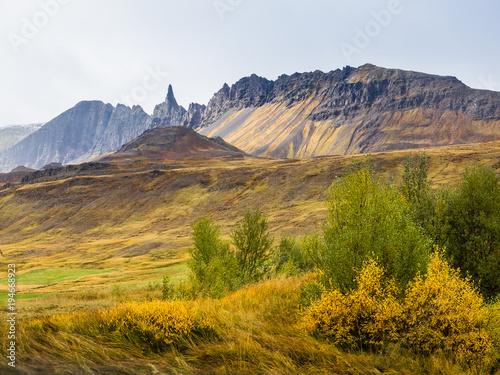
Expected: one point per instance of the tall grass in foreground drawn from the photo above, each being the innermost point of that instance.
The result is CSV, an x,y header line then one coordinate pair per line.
x,y
256,330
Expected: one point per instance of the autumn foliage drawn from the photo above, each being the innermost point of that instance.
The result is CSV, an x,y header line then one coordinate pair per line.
x,y
438,311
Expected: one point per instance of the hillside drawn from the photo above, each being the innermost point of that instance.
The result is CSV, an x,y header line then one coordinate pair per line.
x,y
173,142
94,235
136,215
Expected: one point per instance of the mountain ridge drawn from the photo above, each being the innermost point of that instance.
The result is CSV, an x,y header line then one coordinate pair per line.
x,y
344,111
89,129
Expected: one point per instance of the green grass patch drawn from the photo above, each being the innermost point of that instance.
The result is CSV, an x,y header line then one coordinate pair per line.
x,y
52,276
23,296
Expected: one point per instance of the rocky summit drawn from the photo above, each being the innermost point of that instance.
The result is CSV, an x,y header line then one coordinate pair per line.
x,y
353,110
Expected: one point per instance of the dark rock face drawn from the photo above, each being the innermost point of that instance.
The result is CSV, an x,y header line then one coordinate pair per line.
x,y
170,113
63,171
353,110
89,129
51,166
194,115
353,89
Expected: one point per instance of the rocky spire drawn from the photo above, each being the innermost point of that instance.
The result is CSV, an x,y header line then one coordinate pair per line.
x,y
170,99
168,113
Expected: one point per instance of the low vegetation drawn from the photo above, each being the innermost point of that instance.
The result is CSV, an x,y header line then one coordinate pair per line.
x,y
399,279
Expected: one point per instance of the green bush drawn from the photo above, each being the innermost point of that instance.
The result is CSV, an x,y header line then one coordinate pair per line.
x,y
470,228
370,219
290,257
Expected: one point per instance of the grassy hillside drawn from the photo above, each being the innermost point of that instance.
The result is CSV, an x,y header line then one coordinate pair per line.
x,y
82,243
133,224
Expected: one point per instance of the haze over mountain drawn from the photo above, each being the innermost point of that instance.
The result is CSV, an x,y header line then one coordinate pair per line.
x,y
353,110
10,135
89,129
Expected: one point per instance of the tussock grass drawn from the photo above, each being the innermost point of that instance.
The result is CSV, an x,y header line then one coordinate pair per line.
x,y
256,330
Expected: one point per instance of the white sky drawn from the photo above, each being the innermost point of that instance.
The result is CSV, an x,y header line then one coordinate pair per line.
x,y
55,53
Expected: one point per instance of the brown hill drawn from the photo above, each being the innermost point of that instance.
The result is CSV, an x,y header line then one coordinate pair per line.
x,y
16,175
354,110
173,142
133,217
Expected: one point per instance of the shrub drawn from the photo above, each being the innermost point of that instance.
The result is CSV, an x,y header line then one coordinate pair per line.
x,y
370,219
253,242
367,315
444,311
416,189
470,228
290,258
213,265
167,288
157,324
440,311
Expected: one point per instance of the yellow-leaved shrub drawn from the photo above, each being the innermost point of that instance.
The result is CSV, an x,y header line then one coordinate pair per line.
x,y
444,311
367,315
440,311
157,323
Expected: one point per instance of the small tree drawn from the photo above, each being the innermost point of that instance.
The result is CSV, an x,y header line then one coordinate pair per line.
x,y
370,219
212,263
291,257
471,228
252,241
416,189
206,241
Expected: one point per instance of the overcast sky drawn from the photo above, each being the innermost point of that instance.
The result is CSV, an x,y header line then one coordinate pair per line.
x,y
55,53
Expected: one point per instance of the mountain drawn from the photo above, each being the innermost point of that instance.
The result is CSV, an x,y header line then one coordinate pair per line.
x,y
353,110
173,142
12,134
89,129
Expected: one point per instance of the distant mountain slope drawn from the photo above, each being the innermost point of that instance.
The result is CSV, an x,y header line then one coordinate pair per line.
x,y
173,142
89,129
354,110
10,135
